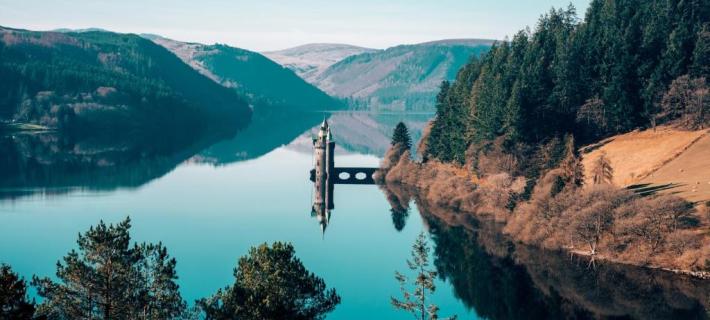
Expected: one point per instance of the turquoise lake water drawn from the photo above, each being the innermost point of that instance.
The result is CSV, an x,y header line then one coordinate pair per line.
x,y
208,215
209,200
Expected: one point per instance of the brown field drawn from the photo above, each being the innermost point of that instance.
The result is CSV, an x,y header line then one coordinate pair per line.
x,y
661,157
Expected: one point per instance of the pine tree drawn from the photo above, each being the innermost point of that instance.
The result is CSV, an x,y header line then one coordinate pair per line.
x,y
271,283
109,279
416,302
602,172
401,137
13,296
701,53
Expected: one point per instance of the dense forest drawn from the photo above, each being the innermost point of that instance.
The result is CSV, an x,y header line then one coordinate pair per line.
x,y
505,142
108,82
627,64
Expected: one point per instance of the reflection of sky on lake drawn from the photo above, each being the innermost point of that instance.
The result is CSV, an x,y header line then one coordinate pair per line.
x,y
209,216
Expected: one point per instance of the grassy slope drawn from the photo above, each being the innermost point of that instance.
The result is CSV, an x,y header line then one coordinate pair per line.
x,y
659,157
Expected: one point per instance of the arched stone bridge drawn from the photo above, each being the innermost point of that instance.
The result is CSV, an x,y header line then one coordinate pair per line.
x,y
349,175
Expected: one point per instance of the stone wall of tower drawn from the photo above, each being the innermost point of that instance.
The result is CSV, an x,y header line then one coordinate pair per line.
x,y
330,172
320,184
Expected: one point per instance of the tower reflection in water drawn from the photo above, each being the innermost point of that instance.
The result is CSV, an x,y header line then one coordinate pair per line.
x,y
324,169
325,175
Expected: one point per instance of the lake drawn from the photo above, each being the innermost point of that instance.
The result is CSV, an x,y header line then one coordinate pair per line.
x,y
210,207
211,199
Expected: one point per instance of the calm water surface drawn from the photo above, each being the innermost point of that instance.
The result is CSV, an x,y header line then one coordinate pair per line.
x,y
210,200
208,214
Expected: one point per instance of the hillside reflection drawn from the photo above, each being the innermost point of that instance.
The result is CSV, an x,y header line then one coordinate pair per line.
x,y
503,280
51,164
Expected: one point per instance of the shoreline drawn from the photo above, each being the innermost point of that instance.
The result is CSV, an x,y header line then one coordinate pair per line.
x,y
416,184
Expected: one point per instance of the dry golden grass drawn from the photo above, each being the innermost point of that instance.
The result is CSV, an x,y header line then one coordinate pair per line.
x,y
666,155
608,221
690,170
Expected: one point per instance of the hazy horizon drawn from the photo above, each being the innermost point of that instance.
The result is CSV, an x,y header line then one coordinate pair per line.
x,y
281,24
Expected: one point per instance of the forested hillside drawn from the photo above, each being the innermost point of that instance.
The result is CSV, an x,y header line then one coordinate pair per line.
x,y
252,75
108,82
627,64
308,61
404,77
504,145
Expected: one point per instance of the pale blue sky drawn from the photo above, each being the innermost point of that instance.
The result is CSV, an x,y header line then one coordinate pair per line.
x,y
267,25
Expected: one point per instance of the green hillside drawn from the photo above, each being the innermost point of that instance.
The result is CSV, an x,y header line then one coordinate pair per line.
x,y
626,65
404,77
108,82
251,74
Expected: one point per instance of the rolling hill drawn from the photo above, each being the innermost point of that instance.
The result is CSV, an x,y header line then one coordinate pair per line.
x,y
405,77
250,74
100,81
310,60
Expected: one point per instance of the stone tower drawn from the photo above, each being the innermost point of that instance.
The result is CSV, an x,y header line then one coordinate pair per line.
x,y
324,166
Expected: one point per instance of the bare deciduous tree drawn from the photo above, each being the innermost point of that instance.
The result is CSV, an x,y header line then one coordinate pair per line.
x,y
687,101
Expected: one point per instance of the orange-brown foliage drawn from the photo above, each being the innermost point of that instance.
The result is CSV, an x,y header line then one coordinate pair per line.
x,y
609,222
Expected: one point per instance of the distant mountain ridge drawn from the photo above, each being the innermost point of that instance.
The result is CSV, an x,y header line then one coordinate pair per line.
x,y
404,77
250,74
310,60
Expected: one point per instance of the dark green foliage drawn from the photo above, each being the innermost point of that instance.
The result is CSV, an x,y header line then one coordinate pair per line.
x,y
271,283
592,78
13,296
107,82
447,140
109,279
399,218
701,54
401,136
496,288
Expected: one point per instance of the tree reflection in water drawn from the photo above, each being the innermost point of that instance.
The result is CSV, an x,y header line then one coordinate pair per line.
x,y
503,280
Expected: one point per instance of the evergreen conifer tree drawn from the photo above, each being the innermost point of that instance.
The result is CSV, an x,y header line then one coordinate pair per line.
x,y
401,137
416,302
13,296
271,283
109,279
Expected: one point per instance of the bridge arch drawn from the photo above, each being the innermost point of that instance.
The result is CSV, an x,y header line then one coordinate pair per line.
x,y
354,175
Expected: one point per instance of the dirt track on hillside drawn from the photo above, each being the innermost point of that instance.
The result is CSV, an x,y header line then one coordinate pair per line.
x,y
660,157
